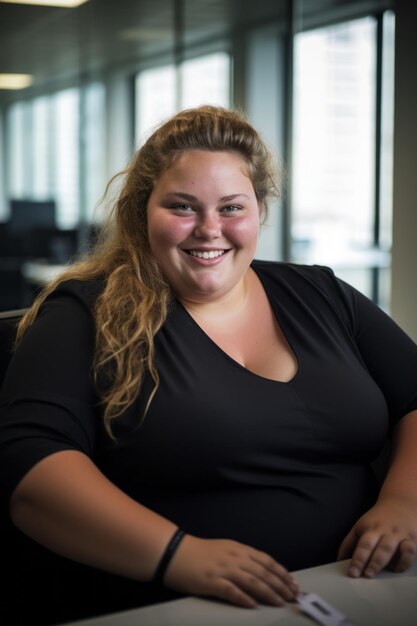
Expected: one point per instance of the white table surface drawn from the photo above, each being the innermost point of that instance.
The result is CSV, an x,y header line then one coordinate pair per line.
x,y
387,600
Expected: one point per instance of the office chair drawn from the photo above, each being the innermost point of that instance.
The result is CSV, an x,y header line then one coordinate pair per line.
x,y
8,325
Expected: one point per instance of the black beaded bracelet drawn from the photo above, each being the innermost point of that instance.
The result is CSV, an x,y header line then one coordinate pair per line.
x,y
167,555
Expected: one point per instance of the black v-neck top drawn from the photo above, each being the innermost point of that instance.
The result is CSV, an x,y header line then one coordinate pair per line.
x,y
223,452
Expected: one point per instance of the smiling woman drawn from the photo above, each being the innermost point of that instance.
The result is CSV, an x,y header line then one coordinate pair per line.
x,y
180,418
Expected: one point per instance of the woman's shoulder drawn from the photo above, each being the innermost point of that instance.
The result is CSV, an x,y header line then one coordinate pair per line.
x,y
67,311
316,283
318,286
80,292
280,270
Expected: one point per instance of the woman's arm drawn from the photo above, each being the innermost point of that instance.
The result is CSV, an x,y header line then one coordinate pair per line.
x,y
386,535
66,504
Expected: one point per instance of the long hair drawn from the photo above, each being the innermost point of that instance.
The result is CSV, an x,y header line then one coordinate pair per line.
x,y
134,302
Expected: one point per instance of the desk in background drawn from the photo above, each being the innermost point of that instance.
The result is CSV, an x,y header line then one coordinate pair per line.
x,y
388,600
39,274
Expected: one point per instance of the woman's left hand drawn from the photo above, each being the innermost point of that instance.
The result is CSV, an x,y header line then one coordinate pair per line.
x,y
385,536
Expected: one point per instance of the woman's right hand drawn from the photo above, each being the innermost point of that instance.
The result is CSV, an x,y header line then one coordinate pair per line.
x,y
231,571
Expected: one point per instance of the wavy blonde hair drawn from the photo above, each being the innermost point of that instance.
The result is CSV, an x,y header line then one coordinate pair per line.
x,y
134,302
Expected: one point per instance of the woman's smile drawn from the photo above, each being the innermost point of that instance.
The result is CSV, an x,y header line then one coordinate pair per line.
x,y
207,256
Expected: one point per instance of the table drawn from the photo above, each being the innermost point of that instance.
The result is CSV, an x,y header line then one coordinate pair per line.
x,y
387,600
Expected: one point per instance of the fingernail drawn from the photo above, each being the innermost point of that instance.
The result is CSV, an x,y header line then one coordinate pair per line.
x,y
354,571
369,572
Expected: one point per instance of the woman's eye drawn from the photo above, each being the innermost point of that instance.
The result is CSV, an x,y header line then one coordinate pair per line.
x,y
182,207
231,208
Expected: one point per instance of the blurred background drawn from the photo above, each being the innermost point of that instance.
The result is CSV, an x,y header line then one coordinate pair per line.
x,y
331,85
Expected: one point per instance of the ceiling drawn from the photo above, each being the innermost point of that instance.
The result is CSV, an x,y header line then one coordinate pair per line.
x,y
58,45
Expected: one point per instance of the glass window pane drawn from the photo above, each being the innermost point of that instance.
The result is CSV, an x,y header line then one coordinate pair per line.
x,y
16,134
387,129
387,155
334,145
66,155
41,155
205,80
95,148
155,99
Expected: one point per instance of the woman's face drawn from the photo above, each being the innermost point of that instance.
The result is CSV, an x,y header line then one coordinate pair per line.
x,y
203,224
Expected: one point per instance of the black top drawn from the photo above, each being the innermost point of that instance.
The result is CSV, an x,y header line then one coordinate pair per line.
x,y
223,452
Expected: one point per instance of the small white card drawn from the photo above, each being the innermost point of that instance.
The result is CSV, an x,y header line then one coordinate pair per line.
x,y
321,611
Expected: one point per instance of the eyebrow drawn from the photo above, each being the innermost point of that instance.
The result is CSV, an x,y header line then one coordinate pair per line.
x,y
190,198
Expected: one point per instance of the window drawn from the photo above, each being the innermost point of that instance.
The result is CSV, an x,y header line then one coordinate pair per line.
x,y
66,153
205,80
162,91
41,186
335,152
386,156
155,98
48,143
16,133
94,151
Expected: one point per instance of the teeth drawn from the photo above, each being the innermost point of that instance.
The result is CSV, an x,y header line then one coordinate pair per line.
x,y
206,255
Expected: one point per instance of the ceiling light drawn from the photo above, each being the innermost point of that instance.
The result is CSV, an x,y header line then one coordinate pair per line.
x,y
65,4
145,34
15,81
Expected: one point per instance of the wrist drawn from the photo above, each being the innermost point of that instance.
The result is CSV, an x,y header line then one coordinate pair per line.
x,y
398,500
167,555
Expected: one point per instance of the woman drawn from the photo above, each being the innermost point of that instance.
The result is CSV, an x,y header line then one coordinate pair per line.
x,y
177,415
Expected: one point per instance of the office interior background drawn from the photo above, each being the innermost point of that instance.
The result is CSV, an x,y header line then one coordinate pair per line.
x,y
330,84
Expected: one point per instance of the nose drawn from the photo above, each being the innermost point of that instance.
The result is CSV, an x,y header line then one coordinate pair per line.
x,y
208,225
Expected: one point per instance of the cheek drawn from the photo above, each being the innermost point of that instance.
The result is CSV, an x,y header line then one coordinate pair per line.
x,y
243,231
166,232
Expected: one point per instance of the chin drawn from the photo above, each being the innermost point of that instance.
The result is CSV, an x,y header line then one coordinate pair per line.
x,y
207,292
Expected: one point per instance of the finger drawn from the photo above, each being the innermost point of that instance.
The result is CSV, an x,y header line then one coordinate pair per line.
x,y
256,588
225,589
278,586
405,556
382,554
362,553
275,568
347,546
